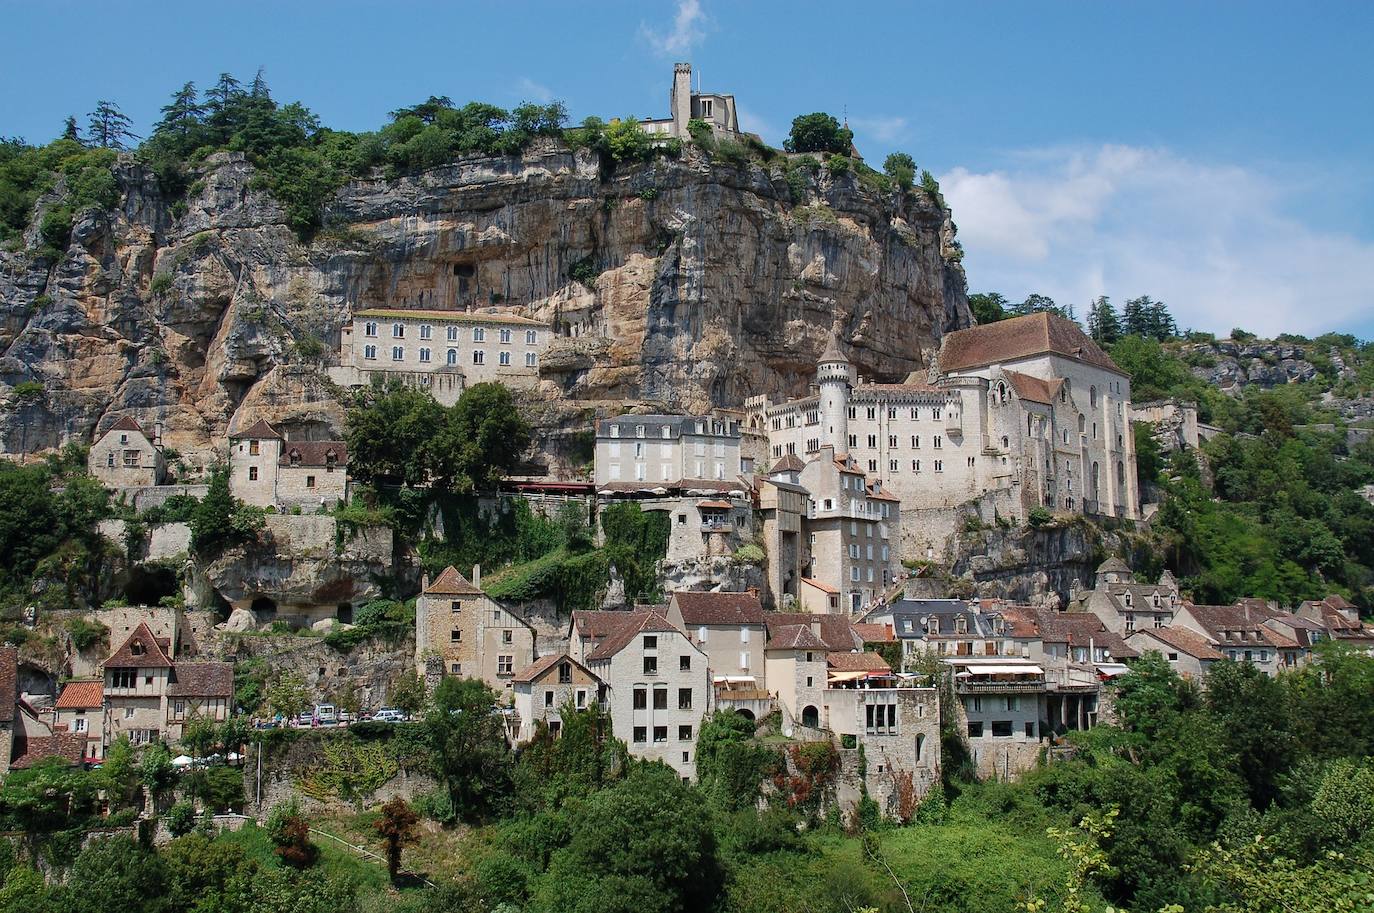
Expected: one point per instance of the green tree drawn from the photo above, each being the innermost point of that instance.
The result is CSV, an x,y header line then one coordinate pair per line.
x,y
109,127
287,695
731,765
222,521
583,758
70,132
486,436
1104,326
199,736
467,739
408,694
643,845
391,435
181,118
1253,712
988,307
626,140
116,873
901,168
818,132
290,834
397,828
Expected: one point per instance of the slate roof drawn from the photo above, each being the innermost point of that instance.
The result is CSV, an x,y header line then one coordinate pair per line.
x,y
837,632
1218,620
654,424
154,655
1035,389
451,583
1114,565
1183,640
9,682
718,608
794,637
636,623
314,453
259,429
832,351
1077,629
202,679
82,695
1020,337
856,662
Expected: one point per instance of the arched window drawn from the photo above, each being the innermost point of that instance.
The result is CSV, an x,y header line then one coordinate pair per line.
x,y
1082,423
1095,478
453,356
920,745
811,717
1030,419
1001,392
1120,473
1005,442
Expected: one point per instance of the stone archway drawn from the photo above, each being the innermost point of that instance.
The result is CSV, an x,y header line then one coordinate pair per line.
x,y
811,717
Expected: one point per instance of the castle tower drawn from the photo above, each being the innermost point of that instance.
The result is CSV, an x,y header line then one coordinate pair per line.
x,y
680,99
834,377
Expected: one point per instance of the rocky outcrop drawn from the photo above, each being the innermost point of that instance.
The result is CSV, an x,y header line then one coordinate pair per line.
x,y
699,283
1039,566
1231,365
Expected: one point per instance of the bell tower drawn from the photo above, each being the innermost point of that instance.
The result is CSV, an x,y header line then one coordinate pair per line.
x,y
680,99
834,377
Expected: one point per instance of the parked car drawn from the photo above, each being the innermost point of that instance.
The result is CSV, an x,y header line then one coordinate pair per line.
x,y
389,715
327,714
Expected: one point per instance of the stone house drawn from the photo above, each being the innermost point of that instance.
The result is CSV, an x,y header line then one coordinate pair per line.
x,y
898,728
267,470
460,630
442,352
80,709
945,627
657,687
546,686
780,511
685,105
819,597
1123,604
1027,412
1239,632
1341,620
851,530
150,696
1002,709
666,450
126,456
730,629
1189,653
795,672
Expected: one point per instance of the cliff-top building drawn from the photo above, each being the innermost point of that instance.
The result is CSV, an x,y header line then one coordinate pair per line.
x,y
685,104
1027,412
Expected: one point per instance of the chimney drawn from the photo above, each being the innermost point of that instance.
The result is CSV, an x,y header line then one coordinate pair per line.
x,y
424,582
816,627
477,576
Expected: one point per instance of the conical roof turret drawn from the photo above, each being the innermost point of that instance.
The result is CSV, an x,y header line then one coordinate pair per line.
x,y
832,353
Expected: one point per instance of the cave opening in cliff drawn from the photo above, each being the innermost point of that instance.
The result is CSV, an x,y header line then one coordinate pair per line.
x,y
263,607
149,583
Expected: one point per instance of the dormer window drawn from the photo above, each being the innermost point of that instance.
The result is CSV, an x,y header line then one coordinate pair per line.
x,y
615,431
295,458
961,625
1126,598
137,648
331,459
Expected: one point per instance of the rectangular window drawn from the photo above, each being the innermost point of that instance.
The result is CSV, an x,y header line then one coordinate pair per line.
x,y
660,698
507,636
975,730
684,733
660,733
641,699
684,663
455,636
651,665
1030,730
640,734
684,698
548,698
309,481
1001,729
252,473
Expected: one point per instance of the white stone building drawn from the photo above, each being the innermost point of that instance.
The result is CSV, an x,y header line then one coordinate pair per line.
x,y
686,104
1025,412
126,456
851,530
548,685
666,450
442,352
267,470
658,686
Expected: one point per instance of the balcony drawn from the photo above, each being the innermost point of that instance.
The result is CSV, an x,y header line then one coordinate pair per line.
x,y
999,687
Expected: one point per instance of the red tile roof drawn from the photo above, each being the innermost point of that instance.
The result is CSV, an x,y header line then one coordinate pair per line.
x,y
794,637
1035,389
451,583
202,679
875,634
718,608
1020,337
857,662
126,423
314,453
790,462
636,623
154,653
259,429
1183,640
819,584
837,632
542,665
82,696
69,746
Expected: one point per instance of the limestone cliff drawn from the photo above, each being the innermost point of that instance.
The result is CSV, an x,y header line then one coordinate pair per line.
x,y
704,283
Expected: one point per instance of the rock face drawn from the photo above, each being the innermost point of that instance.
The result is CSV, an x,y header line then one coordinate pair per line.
x,y
710,285
1231,365
1039,566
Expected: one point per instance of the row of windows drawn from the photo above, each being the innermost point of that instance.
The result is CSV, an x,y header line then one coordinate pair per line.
x,y
479,334
667,430
1001,729
937,442
641,734
666,473
872,413
641,698
479,356
856,552
666,450
855,575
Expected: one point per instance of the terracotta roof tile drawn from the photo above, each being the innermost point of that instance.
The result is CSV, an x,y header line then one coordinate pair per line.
x,y
856,662
1183,640
718,608
789,462
126,423
636,623
875,634
451,583
794,637
544,664
153,655
81,696
837,631
1035,389
202,679
820,585
1020,337
314,453
69,746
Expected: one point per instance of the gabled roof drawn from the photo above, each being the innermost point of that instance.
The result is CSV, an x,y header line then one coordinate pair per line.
x,y
259,430
451,583
1034,389
83,695
636,623
836,631
875,634
542,665
69,746
856,662
820,585
789,462
794,637
126,423
314,453
1076,629
1114,565
202,679
1020,337
718,608
9,682
1183,640
154,653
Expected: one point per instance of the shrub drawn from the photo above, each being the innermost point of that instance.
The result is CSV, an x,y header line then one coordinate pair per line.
x,y
28,391
750,553
818,132
626,141
1038,517
901,168
584,271
56,229
86,634
160,284
838,165
701,133
180,819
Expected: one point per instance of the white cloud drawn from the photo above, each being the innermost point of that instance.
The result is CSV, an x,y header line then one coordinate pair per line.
x,y
529,90
1216,242
880,129
689,28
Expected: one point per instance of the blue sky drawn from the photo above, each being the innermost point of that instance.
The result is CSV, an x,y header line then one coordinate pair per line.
x,y
1216,155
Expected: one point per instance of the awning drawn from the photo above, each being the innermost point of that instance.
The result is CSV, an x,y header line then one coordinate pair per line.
x,y
734,679
847,676
716,505
1112,670
1005,670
